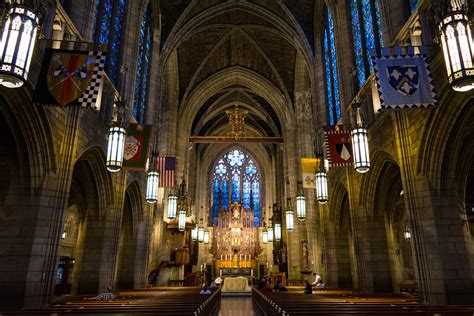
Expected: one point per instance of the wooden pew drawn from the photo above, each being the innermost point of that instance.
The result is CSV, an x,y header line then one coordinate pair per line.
x,y
292,303
186,301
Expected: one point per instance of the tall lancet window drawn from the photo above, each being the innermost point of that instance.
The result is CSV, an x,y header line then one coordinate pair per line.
x,y
143,66
236,179
367,35
330,69
108,28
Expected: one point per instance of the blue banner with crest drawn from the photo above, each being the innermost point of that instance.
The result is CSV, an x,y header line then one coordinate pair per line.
x,y
403,78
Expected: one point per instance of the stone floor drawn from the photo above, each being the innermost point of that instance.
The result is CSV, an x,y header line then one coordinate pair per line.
x,y
237,306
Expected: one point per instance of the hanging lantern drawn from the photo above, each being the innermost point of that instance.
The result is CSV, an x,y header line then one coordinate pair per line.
x,y
360,143
270,234
289,220
301,207
407,233
322,187
200,234
290,223
194,234
17,45
206,236
172,206
182,221
115,148
458,48
264,236
277,232
152,179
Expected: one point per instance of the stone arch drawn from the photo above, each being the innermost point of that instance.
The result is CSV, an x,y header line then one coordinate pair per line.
x,y
341,266
92,193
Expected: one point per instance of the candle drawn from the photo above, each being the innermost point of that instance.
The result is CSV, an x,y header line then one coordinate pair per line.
x,y
201,267
240,257
221,256
220,272
251,272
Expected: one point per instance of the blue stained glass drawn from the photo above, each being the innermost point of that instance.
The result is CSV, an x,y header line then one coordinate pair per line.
x,y
357,36
225,194
215,201
115,50
327,57
335,79
372,29
251,169
379,23
330,67
236,188
413,5
369,30
143,67
246,193
256,203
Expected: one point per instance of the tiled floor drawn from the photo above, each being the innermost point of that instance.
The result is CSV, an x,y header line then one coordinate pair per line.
x,y
236,306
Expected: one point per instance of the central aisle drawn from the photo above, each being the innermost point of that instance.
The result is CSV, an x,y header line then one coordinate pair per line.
x,y
237,306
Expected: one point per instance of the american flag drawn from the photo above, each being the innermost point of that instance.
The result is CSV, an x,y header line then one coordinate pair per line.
x,y
167,166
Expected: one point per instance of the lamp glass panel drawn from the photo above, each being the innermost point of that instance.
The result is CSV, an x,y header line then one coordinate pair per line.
x,y
152,187
182,221
277,232
172,207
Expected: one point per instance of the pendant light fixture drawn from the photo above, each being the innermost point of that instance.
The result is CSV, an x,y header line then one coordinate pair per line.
x,y
17,43
300,203
152,179
321,183
182,221
116,142
277,231
360,142
458,46
289,216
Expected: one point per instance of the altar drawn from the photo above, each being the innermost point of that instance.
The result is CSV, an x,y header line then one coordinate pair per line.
x,y
236,284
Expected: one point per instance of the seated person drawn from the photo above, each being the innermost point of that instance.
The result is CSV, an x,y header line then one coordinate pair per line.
x,y
218,281
279,287
308,289
318,282
205,290
261,284
267,288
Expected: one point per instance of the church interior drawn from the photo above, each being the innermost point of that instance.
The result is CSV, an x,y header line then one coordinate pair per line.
x,y
156,147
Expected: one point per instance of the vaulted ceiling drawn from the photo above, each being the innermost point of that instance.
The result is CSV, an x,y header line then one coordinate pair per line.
x,y
213,41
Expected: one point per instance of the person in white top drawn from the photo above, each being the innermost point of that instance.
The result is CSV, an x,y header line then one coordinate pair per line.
x,y
318,282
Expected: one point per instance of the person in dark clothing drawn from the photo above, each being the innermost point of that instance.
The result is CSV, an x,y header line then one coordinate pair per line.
x,y
279,287
261,284
308,289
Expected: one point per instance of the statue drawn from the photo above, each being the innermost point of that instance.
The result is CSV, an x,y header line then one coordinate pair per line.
x,y
236,211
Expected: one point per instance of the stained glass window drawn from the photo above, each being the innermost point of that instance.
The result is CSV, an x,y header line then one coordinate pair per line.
x,y
108,28
330,69
143,66
236,178
367,35
413,5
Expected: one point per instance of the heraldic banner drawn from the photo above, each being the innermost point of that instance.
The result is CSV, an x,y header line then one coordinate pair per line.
x,y
137,145
338,145
71,76
309,167
403,78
